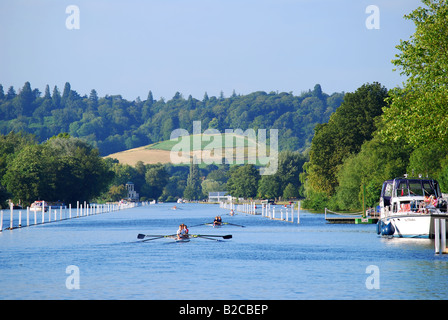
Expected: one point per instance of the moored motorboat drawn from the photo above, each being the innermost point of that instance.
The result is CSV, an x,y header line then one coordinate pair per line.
x,y
38,205
409,207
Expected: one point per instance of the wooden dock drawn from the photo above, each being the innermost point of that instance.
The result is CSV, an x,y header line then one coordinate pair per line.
x,y
351,220
345,218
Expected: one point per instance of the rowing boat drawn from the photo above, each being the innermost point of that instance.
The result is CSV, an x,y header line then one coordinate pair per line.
x,y
174,236
212,224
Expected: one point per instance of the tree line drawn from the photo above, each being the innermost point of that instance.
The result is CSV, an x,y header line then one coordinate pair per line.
x,y
112,123
378,134
70,169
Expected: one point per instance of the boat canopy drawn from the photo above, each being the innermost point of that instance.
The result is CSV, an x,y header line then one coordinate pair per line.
x,y
414,187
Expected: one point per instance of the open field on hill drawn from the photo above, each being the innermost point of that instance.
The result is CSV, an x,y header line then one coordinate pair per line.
x,y
242,150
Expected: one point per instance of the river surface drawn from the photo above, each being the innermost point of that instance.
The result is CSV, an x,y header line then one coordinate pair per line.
x,y
100,257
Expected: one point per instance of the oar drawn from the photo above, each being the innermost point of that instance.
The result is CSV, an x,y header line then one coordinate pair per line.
x,y
209,238
197,225
228,236
233,224
154,236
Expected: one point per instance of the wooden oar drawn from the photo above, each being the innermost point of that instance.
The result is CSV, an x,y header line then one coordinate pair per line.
x,y
233,224
202,224
219,224
154,236
209,238
228,236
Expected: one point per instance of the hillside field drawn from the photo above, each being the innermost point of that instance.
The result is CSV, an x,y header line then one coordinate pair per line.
x,y
242,150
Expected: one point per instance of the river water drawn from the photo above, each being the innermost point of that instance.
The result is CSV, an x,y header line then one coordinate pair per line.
x,y
100,257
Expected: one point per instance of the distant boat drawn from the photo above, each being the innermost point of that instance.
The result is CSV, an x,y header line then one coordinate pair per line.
x,y
409,206
56,205
38,205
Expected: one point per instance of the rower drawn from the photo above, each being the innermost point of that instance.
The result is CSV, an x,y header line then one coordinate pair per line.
x,y
217,221
182,232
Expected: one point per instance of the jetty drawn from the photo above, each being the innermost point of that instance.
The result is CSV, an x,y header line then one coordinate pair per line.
x,y
371,217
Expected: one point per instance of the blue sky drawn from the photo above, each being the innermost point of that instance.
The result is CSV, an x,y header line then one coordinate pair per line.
x,y
197,46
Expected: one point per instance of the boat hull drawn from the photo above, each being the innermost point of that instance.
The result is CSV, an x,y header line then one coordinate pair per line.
x,y
409,226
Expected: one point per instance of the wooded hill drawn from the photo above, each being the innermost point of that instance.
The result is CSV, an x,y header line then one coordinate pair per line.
x,y
114,124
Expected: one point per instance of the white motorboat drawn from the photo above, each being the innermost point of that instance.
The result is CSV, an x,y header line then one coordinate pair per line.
x,y
409,207
38,205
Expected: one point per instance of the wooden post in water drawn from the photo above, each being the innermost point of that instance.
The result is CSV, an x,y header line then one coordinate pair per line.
x,y
437,235
10,216
363,200
1,220
440,236
20,218
443,235
27,216
298,212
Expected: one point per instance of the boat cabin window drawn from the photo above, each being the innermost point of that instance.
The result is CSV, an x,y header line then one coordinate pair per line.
x,y
388,190
402,189
415,188
428,189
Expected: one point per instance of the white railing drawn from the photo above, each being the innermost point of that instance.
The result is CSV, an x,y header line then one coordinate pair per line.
x,y
17,218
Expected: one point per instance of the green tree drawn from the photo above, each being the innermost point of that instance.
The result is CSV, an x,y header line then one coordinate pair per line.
x,y
10,145
24,100
93,100
65,93
80,174
56,97
193,190
116,193
290,166
243,181
209,185
349,127
269,187
290,192
156,178
30,176
417,112
376,162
